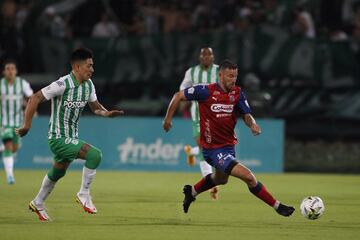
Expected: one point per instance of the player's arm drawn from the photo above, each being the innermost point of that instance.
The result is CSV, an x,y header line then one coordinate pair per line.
x,y
100,110
249,120
30,110
174,103
251,123
186,83
197,93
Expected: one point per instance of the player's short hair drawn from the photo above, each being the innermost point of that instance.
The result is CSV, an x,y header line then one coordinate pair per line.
x,y
81,54
227,64
9,61
205,47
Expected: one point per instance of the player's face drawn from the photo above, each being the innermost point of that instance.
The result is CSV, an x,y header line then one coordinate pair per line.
x,y
228,78
86,69
206,57
10,71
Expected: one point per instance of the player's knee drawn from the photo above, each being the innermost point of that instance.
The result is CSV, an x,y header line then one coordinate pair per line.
x,y
222,181
250,179
93,158
55,174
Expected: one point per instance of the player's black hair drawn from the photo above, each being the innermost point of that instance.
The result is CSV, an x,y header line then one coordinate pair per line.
x,y
81,54
227,64
9,61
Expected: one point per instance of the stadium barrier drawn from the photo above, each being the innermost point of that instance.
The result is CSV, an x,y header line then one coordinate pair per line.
x,y
271,52
141,144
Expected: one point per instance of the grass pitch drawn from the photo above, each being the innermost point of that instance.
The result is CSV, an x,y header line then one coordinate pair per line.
x,y
141,205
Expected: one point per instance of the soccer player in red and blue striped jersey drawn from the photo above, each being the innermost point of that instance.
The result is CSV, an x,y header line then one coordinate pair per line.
x,y
220,104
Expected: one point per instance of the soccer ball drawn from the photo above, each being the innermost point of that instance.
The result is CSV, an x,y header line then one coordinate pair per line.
x,y
312,207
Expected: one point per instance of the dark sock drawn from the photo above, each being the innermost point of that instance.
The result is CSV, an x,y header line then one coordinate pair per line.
x,y
260,191
204,184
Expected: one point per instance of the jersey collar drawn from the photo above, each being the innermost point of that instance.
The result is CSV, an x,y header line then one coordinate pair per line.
x,y
73,78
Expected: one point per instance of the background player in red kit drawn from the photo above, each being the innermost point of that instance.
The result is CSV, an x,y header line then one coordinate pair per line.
x,y
220,104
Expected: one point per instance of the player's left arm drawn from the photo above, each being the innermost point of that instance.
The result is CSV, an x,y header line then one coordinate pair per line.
x,y
251,123
100,110
249,120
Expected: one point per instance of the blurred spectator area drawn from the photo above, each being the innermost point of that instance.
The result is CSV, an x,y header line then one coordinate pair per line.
x,y
303,56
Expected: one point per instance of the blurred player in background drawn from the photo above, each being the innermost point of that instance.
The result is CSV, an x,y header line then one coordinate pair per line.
x,y
14,92
69,95
203,74
220,104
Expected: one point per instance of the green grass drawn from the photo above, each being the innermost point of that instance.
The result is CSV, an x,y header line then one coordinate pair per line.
x,y
140,205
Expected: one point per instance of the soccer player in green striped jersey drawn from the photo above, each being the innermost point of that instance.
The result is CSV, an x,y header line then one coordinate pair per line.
x,y
203,74
69,95
14,91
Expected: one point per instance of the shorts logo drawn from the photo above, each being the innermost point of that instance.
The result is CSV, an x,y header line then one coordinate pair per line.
x,y
222,108
221,161
70,140
223,158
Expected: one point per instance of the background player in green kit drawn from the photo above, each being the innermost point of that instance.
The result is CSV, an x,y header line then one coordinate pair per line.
x,y
14,91
69,95
202,74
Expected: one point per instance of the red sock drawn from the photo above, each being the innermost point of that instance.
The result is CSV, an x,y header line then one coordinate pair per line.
x,y
260,191
204,184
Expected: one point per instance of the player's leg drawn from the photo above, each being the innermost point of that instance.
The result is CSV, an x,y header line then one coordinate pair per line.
x,y
8,156
206,169
193,152
93,157
221,175
37,205
65,151
259,190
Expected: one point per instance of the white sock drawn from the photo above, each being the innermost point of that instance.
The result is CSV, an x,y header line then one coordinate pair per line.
x,y
87,178
195,150
9,165
46,187
276,205
205,168
193,192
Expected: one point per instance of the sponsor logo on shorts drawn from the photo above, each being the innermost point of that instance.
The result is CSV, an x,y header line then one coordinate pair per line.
x,y
71,140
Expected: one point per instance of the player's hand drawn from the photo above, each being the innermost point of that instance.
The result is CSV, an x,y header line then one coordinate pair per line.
x,y
167,125
255,129
22,131
111,114
114,113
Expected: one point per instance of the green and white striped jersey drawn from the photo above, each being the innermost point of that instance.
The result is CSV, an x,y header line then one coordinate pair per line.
x,y
68,99
12,99
197,76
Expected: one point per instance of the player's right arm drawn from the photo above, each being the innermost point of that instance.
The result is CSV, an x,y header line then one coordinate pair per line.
x,y
174,103
186,83
30,110
197,93
56,88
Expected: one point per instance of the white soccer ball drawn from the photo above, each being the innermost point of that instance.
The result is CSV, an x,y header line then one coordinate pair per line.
x,y
312,207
